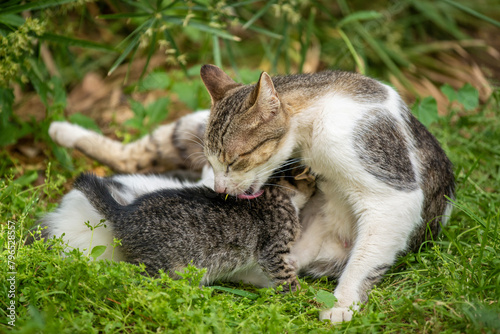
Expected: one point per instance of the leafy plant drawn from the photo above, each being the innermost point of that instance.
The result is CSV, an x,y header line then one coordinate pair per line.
x,y
426,110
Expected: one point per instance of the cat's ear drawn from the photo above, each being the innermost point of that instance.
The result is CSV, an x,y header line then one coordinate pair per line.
x,y
306,175
265,96
216,81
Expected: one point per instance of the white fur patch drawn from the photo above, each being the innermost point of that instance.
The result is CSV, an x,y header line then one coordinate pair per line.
x,y
75,209
67,134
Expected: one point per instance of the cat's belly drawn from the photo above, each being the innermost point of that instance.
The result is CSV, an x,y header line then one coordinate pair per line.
x,y
326,238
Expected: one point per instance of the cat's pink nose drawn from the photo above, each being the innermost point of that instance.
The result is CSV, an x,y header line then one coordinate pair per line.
x,y
220,189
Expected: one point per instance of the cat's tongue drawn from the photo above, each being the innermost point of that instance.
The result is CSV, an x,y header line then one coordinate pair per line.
x,y
251,196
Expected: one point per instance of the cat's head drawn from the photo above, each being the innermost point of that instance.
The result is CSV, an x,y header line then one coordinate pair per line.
x,y
247,136
296,180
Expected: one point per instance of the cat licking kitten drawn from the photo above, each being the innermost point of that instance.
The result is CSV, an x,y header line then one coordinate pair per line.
x,y
383,178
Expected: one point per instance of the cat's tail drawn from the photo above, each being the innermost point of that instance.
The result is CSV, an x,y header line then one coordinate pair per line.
x,y
99,195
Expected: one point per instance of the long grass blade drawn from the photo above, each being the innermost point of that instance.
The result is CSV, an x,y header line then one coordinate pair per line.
x,y
133,44
359,16
238,292
123,16
171,40
70,41
201,26
472,12
152,48
216,51
257,15
232,59
430,12
266,32
11,20
307,42
357,59
34,5
386,59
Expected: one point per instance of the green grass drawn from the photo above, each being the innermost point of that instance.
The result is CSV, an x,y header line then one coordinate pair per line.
x,y
451,286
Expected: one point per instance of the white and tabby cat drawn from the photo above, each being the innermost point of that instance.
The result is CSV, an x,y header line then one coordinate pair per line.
x,y
382,176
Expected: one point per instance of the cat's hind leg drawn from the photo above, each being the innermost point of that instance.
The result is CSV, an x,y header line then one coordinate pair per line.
x,y
171,146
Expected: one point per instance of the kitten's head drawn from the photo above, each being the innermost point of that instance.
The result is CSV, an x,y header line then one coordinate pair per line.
x,y
247,136
296,180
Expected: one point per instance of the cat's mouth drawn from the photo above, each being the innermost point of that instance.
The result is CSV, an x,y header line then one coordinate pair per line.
x,y
251,193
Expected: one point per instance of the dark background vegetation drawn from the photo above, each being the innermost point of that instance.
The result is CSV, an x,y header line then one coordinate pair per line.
x,y
123,67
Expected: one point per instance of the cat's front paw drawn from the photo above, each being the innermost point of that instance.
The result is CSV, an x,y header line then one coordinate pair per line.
x,y
67,134
291,286
336,314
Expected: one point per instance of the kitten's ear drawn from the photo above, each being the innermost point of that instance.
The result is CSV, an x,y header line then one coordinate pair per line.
x,y
306,175
216,81
265,95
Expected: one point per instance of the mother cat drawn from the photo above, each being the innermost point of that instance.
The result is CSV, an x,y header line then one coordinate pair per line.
x,y
383,177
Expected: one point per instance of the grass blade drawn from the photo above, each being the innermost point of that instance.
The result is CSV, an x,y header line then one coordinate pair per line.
x,y
238,292
357,59
216,51
307,42
128,49
232,59
171,40
266,32
123,16
34,5
386,59
134,36
257,15
472,12
359,16
69,41
201,26
430,11
11,20
152,48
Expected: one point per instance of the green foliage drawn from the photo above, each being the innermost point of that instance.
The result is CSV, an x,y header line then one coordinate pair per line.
x,y
191,92
326,298
426,111
16,50
466,97
84,121
147,117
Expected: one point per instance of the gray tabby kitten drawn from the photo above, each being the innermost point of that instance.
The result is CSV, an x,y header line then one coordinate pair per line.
x,y
170,228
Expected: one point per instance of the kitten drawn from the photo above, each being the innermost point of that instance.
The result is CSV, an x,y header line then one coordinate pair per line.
x,y
69,219
382,177
170,228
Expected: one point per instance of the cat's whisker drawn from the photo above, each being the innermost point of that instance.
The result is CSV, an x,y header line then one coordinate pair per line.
x,y
196,139
196,155
199,161
195,142
277,185
195,158
288,163
271,168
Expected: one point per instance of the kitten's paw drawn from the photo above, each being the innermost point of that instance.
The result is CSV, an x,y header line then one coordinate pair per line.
x,y
291,286
67,134
336,314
